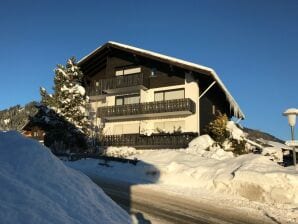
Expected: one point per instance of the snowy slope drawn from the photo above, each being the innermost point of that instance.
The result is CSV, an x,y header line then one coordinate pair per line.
x,y
36,187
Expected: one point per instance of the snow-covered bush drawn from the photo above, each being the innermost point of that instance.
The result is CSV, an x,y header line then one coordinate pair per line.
x,y
227,135
234,131
202,142
206,147
121,152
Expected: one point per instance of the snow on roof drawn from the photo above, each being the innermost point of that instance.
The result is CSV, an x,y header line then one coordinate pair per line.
x,y
237,112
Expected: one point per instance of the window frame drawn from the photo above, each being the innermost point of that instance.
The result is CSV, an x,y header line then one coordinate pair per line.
x,y
122,70
123,97
168,90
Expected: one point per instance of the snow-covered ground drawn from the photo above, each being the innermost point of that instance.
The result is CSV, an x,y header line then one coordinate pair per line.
x,y
36,187
251,182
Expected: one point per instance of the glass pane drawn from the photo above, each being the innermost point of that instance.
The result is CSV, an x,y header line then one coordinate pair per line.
x,y
118,130
119,101
158,96
131,128
131,99
174,94
132,71
119,72
171,126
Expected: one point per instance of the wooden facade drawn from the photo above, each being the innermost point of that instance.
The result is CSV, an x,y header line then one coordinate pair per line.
x,y
34,132
157,72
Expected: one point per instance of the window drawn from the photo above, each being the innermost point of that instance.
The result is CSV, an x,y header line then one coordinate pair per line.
x,y
213,109
169,95
120,129
129,99
169,126
127,71
119,100
159,96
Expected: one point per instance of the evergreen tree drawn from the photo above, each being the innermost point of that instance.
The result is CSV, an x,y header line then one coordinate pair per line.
x,y
69,98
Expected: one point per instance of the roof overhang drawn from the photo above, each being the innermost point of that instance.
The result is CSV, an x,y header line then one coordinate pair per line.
x,y
237,112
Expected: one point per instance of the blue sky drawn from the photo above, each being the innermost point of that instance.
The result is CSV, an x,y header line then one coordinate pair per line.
x,y
252,44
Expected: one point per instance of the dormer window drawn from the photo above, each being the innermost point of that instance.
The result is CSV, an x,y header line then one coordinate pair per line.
x,y
127,71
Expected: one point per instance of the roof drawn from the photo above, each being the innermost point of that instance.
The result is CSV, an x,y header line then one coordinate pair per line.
x,y
237,112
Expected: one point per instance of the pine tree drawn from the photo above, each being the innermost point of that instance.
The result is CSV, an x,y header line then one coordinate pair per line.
x,y
69,98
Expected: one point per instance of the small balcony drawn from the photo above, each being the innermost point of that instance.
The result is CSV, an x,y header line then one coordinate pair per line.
x,y
155,141
150,110
118,84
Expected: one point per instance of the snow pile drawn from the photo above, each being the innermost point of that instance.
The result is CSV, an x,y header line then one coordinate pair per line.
x,y
36,187
274,153
251,176
121,152
204,146
236,133
202,142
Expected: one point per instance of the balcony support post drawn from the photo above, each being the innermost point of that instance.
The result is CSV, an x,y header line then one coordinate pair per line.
x,y
209,87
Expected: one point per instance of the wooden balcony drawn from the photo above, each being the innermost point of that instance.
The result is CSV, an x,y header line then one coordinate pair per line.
x,y
118,84
168,108
155,141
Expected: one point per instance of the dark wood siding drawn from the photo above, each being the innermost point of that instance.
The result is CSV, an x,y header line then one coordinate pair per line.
x,y
213,98
166,75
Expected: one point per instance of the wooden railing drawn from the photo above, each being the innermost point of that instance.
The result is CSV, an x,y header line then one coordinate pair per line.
x,y
118,82
148,108
175,140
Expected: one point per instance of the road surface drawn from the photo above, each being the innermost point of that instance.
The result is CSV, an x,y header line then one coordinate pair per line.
x,y
151,206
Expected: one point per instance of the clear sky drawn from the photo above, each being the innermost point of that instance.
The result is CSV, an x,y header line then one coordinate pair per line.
x,y
252,44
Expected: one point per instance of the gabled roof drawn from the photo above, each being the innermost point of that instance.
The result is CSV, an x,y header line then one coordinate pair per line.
x,y
175,61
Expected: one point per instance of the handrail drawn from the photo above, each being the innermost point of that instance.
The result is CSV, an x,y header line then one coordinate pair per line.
x,y
118,82
175,140
185,104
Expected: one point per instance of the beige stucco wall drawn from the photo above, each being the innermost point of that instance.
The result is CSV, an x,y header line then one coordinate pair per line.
x,y
187,124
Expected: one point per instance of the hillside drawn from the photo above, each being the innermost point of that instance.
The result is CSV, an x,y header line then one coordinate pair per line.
x,y
14,118
254,134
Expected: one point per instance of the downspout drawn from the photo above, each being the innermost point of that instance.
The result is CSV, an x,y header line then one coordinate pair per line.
x,y
198,106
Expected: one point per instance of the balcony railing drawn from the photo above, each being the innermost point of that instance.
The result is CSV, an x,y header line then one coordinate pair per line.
x,y
119,82
177,107
155,141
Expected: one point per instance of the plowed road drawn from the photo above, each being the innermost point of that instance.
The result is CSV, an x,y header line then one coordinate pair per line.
x,y
151,206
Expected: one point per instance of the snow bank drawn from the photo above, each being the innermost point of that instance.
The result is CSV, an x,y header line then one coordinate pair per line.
x,y
121,152
254,177
36,187
251,176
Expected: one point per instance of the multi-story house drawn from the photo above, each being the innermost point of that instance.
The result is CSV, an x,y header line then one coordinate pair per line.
x,y
148,100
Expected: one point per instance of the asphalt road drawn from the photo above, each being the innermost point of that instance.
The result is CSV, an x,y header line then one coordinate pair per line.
x,y
151,206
